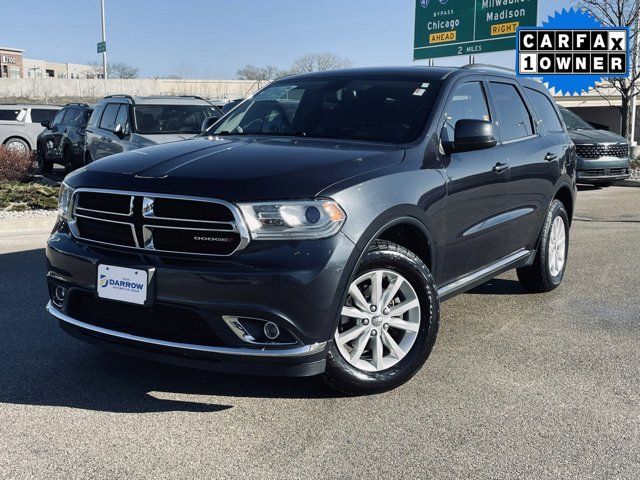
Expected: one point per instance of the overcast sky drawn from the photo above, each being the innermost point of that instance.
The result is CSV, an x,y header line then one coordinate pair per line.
x,y
214,38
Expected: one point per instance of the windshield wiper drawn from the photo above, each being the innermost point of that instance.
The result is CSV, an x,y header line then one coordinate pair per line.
x,y
225,133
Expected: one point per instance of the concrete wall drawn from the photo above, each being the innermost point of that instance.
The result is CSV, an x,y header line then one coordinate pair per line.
x,y
52,88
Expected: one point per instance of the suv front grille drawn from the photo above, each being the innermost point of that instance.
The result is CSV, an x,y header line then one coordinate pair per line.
x,y
190,210
158,223
98,202
195,241
603,150
106,232
161,322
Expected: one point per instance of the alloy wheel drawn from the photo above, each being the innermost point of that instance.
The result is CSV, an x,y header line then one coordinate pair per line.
x,y
557,246
380,321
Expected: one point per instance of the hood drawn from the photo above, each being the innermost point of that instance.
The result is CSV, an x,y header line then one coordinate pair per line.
x,y
238,168
580,137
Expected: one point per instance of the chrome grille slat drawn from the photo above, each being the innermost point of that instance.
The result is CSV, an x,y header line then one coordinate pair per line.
x,y
143,222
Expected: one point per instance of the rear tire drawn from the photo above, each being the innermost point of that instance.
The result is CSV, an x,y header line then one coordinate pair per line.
x,y
547,270
389,344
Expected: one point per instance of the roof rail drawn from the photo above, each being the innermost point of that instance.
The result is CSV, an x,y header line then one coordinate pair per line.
x,y
121,95
197,97
488,67
77,103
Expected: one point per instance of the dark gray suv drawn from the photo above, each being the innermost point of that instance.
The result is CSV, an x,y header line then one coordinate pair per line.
x,y
317,227
121,123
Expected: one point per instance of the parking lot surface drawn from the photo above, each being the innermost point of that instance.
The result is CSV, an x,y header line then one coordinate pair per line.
x,y
518,385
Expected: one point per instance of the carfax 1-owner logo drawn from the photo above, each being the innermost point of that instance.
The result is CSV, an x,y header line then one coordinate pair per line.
x,y
572,51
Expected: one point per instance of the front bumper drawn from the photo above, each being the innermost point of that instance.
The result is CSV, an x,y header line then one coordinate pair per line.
x,y
602,170
297,285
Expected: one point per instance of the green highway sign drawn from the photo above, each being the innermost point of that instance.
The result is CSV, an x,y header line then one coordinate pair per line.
x,y
447,28
102,47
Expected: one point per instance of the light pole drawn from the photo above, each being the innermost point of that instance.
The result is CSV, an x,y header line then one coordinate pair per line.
x,y
634,100
104,54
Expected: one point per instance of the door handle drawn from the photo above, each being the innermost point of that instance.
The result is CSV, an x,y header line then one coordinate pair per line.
x,y
500,167
550,156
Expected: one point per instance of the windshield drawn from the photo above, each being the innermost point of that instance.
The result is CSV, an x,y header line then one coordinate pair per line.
x,y
573,121
166,119
372,109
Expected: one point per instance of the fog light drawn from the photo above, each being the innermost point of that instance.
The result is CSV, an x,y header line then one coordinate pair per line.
x,y
59,294
271,330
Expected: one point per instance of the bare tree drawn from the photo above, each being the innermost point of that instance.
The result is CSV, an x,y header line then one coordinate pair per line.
x,y
620,13
251,72
115,70
122,70
314,62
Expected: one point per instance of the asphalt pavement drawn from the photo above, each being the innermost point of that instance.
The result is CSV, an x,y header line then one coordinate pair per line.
x,y
517,386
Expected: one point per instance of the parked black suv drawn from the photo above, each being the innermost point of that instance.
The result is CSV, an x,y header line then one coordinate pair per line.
x,y
316,228
123,122
62,140
603,157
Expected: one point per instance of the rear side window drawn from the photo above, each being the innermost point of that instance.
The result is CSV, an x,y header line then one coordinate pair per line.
x,y
42,115
546,110
514,116
467,103
9,114
108,121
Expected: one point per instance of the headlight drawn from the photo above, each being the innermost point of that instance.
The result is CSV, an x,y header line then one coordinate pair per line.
x,y
65,199
299,220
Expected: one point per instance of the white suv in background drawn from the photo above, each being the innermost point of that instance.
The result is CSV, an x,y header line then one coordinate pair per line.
x,y
20,124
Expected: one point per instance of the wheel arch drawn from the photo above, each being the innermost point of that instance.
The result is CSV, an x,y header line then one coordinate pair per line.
x,y
405,225
410,233
565,195
391,223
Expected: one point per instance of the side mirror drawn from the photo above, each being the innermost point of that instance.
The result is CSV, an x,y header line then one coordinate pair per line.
x,y
472,135
118,130
206,124
46,124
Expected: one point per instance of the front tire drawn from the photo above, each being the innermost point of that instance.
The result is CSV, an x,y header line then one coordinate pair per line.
x,y
547,270
388,324
45,166
68,161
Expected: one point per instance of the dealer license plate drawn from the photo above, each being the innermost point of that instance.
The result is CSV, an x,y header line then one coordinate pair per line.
x,y
122,284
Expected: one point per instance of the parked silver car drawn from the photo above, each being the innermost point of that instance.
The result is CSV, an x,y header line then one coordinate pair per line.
x,y
121,123
20,124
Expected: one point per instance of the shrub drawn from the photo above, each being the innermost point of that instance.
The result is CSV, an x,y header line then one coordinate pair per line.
x,y
27,196
15,166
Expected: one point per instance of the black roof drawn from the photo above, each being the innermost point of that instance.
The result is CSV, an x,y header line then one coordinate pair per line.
x,y
420,72
409,71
